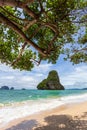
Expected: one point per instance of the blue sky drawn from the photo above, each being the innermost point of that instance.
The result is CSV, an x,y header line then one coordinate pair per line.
x,y
70,75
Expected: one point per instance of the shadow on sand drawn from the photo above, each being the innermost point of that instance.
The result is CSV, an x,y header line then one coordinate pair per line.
x,y
55,122
25,125
65,122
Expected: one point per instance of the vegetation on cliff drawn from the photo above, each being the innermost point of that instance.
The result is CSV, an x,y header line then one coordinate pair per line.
x,y
51,83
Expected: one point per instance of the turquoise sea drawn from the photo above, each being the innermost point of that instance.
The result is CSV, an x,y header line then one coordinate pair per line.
x,y
11,96
15,104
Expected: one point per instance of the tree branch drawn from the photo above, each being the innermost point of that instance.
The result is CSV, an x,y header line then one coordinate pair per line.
x,y
51,26
36,61
14,3
36,31
10,14
82,21
29,12
30,23
41,6
17,3
77,51
83,49
51,43
20,54
6,21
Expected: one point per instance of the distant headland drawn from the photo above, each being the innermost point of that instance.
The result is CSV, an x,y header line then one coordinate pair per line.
x,y
52,82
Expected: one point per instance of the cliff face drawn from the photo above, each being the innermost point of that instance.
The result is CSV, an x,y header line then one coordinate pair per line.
x,y
51,83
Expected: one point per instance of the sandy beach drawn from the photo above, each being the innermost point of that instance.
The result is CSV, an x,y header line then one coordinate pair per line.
x,y
66,117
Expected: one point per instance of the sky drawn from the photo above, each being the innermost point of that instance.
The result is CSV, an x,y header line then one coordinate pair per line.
x,y
71,76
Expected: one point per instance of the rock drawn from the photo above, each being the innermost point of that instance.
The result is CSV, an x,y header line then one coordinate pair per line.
x,y
43,85
12,88
23,89
4,88
51,83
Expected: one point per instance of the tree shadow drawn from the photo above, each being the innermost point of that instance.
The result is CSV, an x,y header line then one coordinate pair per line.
x,y
25,125
55,122
64,122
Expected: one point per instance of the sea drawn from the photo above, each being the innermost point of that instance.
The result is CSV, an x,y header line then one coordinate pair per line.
x,y
16,104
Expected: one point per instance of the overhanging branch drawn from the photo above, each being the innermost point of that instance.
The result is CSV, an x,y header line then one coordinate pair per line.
x,y
6,21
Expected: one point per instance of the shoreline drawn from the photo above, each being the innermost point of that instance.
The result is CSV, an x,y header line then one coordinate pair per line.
x,y
54,118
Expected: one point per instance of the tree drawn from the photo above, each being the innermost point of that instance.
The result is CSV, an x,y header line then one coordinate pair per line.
x,y
35,30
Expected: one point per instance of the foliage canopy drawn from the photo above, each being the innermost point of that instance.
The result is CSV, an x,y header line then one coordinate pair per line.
x,y
35,30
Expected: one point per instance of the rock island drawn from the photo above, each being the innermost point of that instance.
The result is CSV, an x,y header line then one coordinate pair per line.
x,y
51,83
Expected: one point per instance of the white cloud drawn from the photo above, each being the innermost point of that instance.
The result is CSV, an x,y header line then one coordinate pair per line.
x,y
77,78
7,77
43,68
39,75
22,79
25,79
4,68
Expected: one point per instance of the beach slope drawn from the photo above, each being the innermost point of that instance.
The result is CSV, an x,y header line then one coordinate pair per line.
x,y
66,117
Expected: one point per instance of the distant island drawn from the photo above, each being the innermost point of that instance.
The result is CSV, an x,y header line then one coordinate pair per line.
x,y
23,89
9,88
12,88
6,88
52,82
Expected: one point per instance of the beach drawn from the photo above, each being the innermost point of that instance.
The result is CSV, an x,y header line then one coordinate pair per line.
x,y
40,110
66,117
